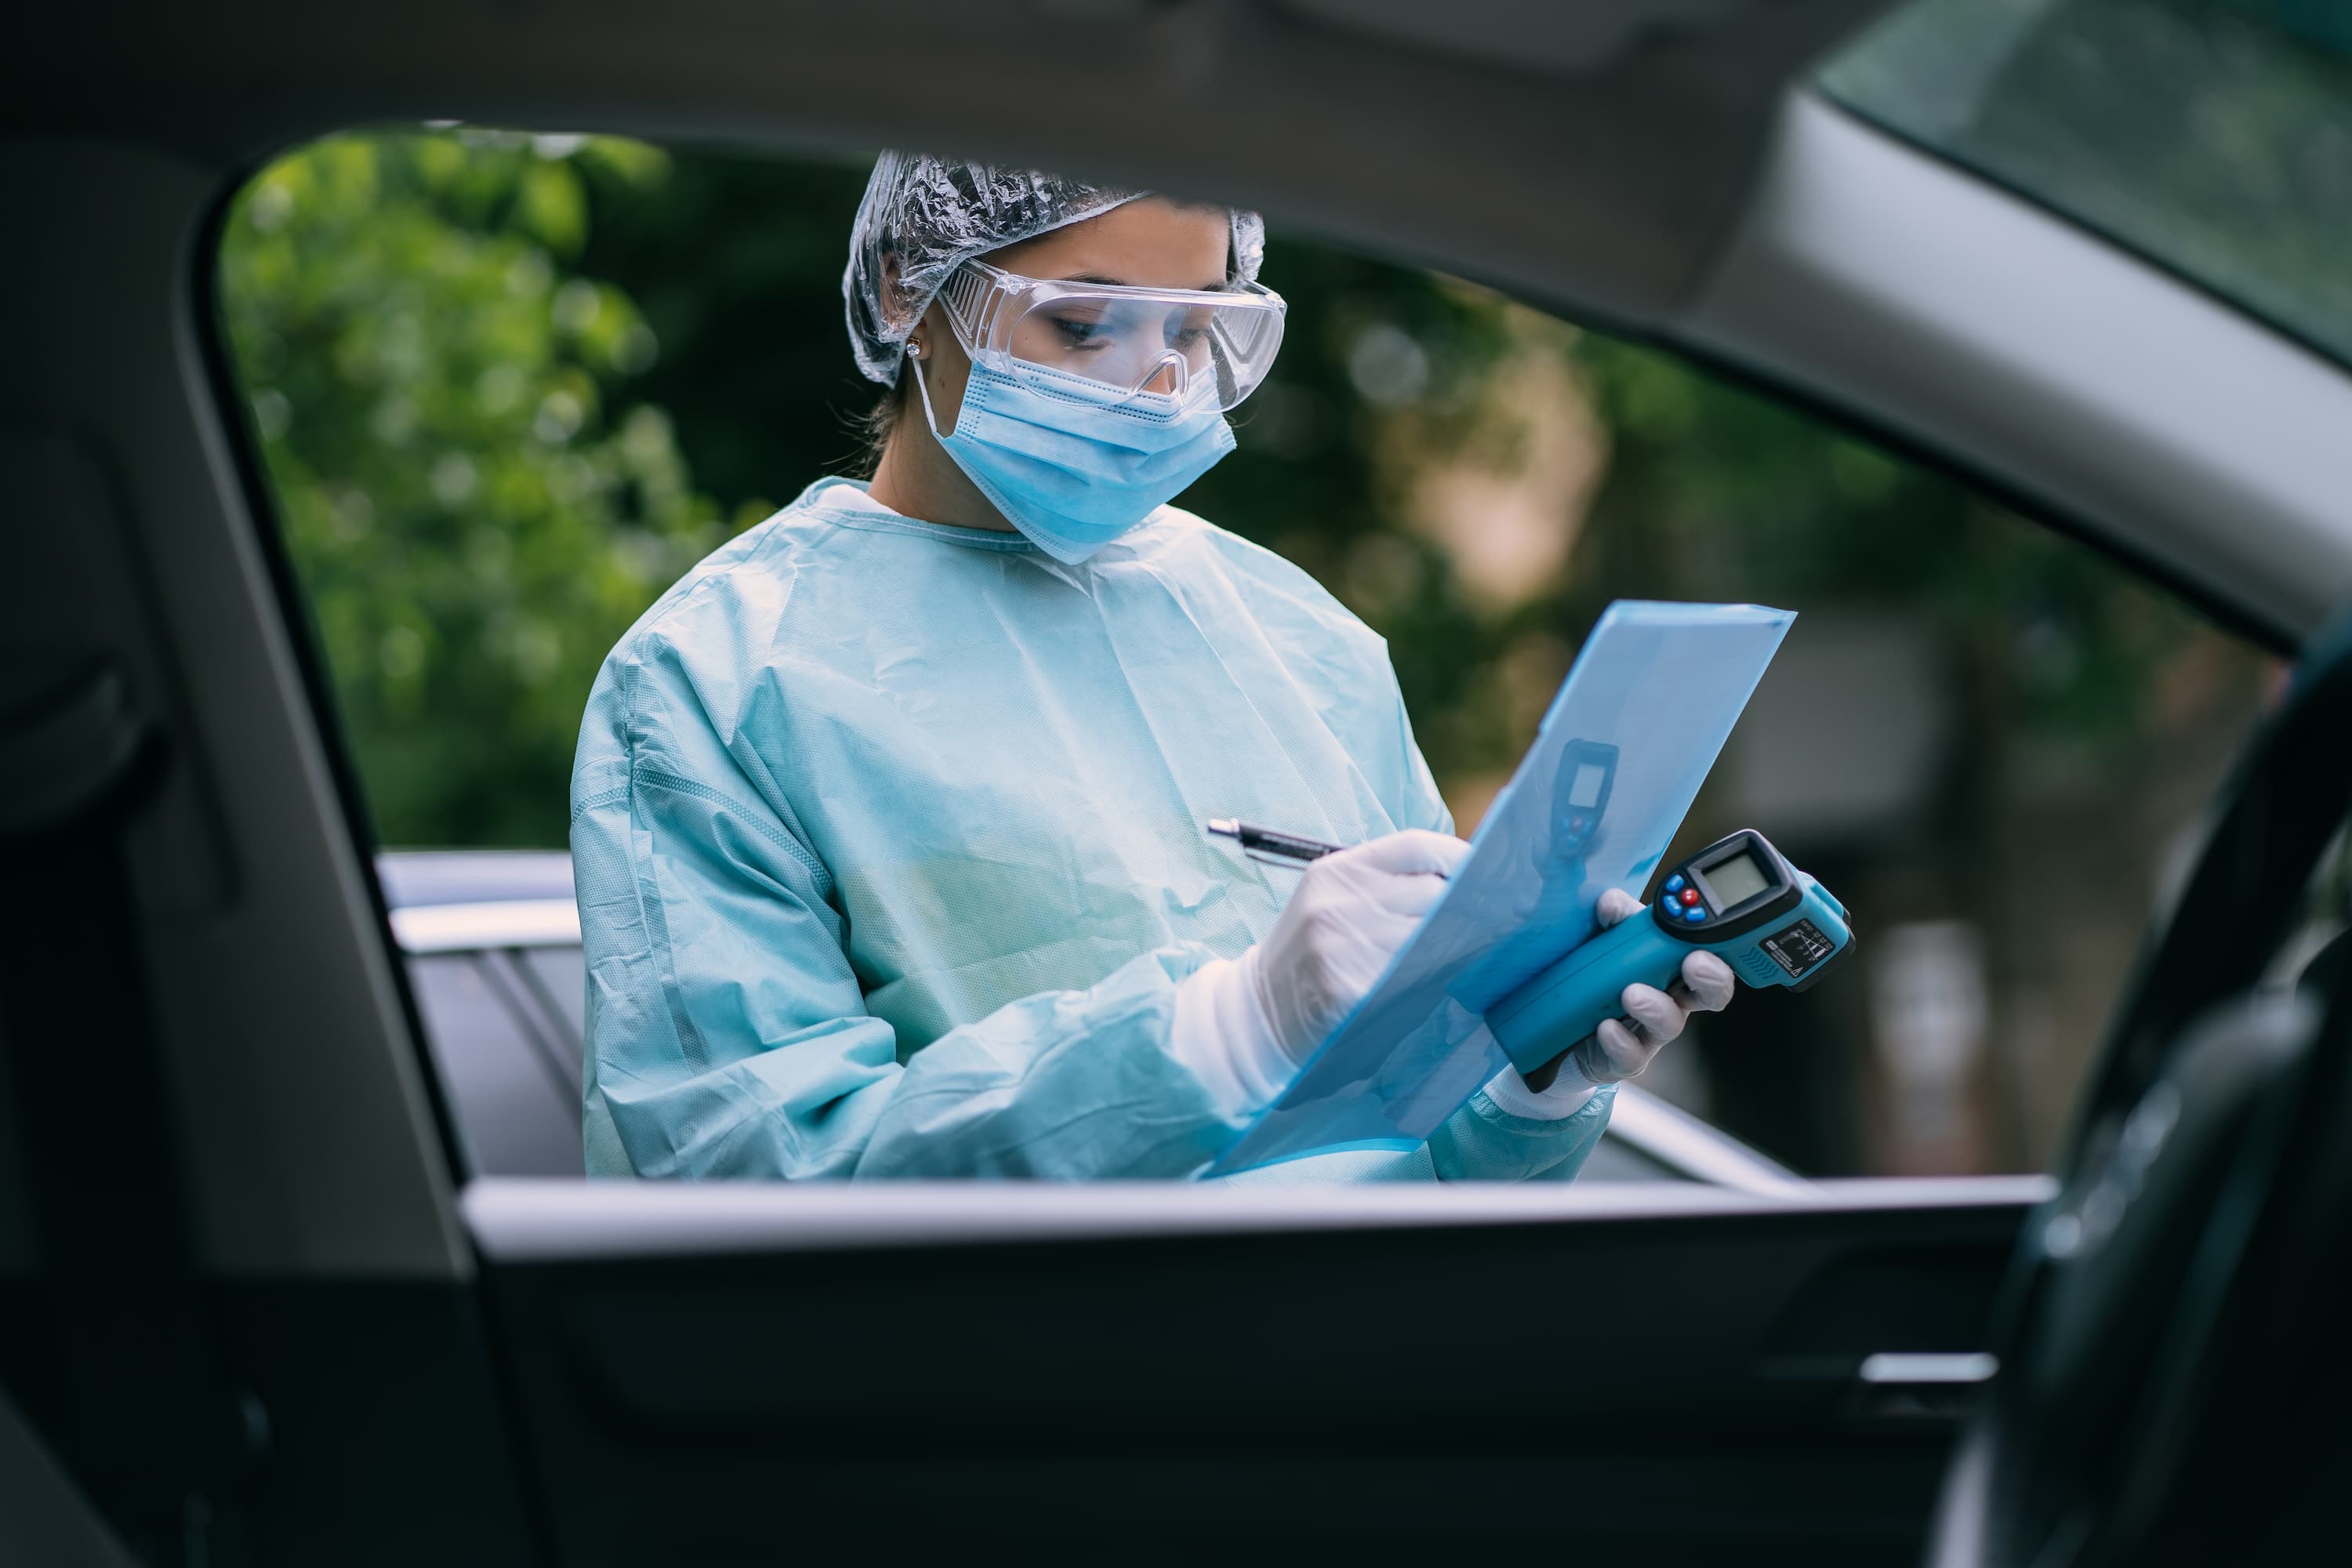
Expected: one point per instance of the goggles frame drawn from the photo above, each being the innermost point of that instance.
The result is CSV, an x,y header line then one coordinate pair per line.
x,y
985,303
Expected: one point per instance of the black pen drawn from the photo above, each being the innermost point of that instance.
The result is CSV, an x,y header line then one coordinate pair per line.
x,y
1274,848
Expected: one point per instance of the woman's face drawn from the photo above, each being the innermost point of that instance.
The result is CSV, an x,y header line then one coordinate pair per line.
x,y
1152,243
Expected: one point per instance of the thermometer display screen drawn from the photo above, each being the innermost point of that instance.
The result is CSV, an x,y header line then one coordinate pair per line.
x,y
1738,879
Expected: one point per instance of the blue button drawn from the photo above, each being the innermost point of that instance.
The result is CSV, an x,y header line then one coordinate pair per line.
x,y
1674,883
1695,914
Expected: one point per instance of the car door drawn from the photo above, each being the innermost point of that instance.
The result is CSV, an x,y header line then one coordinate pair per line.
x,y
497,1369
1660,1374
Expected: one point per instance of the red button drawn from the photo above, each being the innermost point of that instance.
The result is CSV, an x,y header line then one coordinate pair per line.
x,y
1690,895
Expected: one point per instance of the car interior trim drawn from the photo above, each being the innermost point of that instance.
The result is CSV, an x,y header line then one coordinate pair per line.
x,y
311,1143
1959,1367
1869,274
520,1220
519,923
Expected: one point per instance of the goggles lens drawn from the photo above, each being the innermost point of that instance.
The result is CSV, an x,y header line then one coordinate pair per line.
x,y
1171,342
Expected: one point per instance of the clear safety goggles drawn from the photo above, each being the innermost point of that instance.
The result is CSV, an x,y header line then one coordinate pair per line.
x,y
1171,342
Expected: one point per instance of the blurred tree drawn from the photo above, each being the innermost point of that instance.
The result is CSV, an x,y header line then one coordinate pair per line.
x,y
736,264
1784,507
475,516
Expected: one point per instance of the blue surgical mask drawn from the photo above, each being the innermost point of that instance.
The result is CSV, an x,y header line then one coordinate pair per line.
x,y
1074,463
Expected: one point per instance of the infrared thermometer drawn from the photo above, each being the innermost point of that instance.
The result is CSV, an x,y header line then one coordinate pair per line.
x,y
1739,898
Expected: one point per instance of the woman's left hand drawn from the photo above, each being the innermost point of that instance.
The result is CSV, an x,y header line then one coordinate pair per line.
x,y
1622,1047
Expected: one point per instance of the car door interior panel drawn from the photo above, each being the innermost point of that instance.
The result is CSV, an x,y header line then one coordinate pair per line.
x,y
1699,1369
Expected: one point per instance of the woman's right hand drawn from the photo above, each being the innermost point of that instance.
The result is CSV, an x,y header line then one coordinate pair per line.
x,y
1350,914
1245,1025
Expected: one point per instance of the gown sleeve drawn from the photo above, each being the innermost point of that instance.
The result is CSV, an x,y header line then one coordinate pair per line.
x,y
728,1035
1484,1142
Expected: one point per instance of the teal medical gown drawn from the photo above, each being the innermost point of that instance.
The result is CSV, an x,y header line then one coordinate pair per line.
x,y
888,840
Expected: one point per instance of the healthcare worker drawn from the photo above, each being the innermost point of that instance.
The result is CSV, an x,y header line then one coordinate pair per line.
x,y
888,818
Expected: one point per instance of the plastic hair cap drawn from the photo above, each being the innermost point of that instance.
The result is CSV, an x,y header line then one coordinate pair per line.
x,y
929,216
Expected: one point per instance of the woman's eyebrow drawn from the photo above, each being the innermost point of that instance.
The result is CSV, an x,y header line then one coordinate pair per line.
x,y
1099,281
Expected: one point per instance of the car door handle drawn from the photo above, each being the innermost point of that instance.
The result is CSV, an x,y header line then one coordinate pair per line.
x,y
1939,1369
1918,1387
1901,1389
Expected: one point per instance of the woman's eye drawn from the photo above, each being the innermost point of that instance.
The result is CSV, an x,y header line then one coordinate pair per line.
x,y
1078,331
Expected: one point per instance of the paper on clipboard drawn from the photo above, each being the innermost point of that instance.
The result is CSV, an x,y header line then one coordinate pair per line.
x,y
1620,757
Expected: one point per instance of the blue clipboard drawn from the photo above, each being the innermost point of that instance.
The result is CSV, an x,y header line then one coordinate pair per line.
x,y
1620,757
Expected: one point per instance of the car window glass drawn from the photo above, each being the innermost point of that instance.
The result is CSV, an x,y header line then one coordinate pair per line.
x,y
2213,135
509,387
517,1118
561,976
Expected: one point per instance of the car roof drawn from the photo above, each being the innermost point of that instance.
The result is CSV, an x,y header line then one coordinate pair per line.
x,y
458,901
415,877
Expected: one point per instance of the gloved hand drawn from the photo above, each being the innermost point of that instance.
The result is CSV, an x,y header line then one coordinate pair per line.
x,y
1245,1025
1616,1051
1352,911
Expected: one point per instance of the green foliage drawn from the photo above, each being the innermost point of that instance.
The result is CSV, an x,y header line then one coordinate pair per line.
x,y
1716,493
476,512
736,263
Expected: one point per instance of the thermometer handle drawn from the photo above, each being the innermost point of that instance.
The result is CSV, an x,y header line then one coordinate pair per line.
x,y
1553,1013
1738,899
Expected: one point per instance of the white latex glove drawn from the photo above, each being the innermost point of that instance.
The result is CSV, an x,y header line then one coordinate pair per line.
x,y
1245,1025
1620,1047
